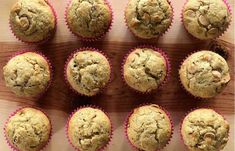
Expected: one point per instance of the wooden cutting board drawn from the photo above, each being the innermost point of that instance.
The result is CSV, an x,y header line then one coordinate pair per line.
x,y
117,99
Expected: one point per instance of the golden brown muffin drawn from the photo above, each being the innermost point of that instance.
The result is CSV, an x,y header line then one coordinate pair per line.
x,y
89,18
204,74
32,20
88,72
89,129
27,74
205,130
28,129
206,19
145,69
148,18
149,128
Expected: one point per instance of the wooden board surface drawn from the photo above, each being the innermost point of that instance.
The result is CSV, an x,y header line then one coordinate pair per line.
x,y
117,100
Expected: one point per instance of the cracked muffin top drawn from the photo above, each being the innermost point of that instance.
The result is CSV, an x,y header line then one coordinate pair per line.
x,y
89,18
27,74
32,20
28,130
148,19
145,69
89,129
205,130
206,19
149,128
88,72
204,74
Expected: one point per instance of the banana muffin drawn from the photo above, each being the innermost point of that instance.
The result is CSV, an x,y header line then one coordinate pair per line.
x,y
206,19
204,74
89,19
27,74
87,71
145,69
205,130
28,129
149,128
32,20
148,19
89,129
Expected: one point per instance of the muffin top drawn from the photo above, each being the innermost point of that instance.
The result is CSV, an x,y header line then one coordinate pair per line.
x,y
205,130
149,128
89,18
148,18
89,129
27,74
206,19
88,72
28,129
145,69
32,20
204,74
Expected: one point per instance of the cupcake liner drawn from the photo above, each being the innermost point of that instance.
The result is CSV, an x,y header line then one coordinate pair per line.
x,y
161,34
13,148
187,113
67,62
192,36
82,38
130,113
50,69
167,78
43,40
95,107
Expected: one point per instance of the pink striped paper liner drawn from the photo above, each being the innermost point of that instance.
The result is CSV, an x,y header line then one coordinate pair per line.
x,y
186,114
43,40
67,62
168,65
146,104
13,148
50,70
161,34
92,39
94,107
192,36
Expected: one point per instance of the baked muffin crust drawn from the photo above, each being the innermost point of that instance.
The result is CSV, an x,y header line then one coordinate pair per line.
x,y
204,74
89,129
206,19
89,18
32,20
145,69
27,74
205,130
28,130
148,18
88,72
149,128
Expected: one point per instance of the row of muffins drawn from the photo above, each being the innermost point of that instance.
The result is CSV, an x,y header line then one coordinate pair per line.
x,y
35,21
147,128
87,71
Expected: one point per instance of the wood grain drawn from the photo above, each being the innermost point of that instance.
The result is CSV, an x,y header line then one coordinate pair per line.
x,y
117,99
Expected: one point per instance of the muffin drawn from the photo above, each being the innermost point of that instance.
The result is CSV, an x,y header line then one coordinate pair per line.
x,y
89,19
204,130
207,19
87,71
204,74
28,129
89,129
148,19
27,74
145,69
32,21
148,128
